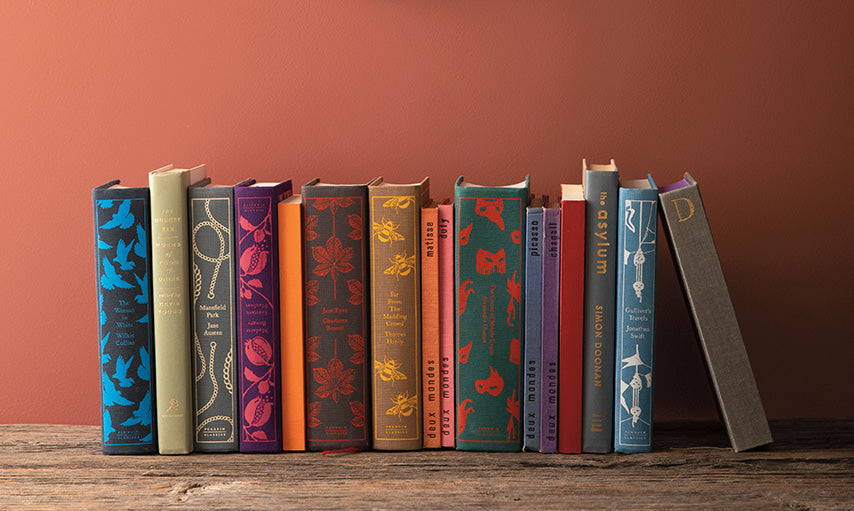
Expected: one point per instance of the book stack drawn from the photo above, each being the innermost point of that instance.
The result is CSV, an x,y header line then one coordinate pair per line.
x,y
243,318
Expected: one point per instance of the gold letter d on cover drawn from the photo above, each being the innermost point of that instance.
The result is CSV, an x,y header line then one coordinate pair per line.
x,y
679,212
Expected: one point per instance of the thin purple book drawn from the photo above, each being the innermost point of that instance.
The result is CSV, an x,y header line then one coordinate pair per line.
x,y
256,219
550,326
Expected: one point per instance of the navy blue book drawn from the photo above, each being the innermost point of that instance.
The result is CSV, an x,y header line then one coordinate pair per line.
x,y
533,328
123,260
550,293
635,338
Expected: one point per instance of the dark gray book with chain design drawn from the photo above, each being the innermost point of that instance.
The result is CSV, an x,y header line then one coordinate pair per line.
x,y
705,290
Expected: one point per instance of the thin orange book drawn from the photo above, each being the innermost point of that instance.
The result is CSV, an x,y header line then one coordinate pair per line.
x,y
290,293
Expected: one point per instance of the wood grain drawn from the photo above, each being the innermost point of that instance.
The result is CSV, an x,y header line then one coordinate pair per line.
x,y
810,466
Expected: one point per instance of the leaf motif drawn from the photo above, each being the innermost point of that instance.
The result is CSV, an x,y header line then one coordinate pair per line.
x,y
310,226
357,343
245,224
355,222
334,380
355,287
358,409
259,435
333,203
256,283
311,288
313,412
311,345
250,375
333,259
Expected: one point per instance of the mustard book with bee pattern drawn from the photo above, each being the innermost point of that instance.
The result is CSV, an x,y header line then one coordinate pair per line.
x,y
490,274
395,263
337,325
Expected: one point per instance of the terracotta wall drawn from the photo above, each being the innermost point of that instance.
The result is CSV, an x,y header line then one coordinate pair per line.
x,y
754,98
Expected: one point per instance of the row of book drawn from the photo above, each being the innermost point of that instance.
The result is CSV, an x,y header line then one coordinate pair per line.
x,y
246,318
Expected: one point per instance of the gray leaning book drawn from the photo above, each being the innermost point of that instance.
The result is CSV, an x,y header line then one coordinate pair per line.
x,y
705,290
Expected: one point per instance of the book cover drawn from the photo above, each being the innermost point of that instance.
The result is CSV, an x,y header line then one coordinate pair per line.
x,y
447,316
395,265
123,260
689,235
550,325
490,279
170,278
572,228
291,323
259,357
213,317
337,326
533,328
600,283
430,361
637,232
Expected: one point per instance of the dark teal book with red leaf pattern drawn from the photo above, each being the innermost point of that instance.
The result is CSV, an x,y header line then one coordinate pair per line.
x,y
490,281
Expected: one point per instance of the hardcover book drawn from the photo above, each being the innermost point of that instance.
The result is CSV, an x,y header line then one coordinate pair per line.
x,y
533,328
490,279
600,280
430,326
572,226
123,260
395,266
291,323
696,258
214,322
337,326
170,279
447,315
259,358
635,342
550,315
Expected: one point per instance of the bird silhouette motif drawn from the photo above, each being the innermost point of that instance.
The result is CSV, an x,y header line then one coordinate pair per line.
x,y
122,253
110,279
122,218
122,371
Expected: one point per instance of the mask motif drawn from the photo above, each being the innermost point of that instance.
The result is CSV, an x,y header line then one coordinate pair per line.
x,y
464,234
464,293
492,385
487,262
463,357
516,236
491,209
463,412
515,349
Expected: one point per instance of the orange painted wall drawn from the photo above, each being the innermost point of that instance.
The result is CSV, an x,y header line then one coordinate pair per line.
x,y
754,98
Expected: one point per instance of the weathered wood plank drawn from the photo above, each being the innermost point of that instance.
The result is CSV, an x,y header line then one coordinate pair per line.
x,y
810,466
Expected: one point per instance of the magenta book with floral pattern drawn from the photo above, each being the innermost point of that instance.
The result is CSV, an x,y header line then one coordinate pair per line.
x,y
256,219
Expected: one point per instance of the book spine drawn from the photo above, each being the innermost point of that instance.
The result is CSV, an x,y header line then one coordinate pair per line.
x,y
600,193
635,342
550,325
259,355
211,212
490,227
446,320
696,259
291,324
395,309
430,327
533,327
123,261
170,286
571,325
336,316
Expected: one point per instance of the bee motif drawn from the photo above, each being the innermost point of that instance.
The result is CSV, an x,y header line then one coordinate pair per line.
x,y
399,202
386,231
401,265
404,405
388,370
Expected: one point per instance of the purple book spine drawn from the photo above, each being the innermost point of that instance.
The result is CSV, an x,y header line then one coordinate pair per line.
x,y
550,316
258,353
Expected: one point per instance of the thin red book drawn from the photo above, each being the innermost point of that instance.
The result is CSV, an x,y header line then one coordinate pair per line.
x,y
572,208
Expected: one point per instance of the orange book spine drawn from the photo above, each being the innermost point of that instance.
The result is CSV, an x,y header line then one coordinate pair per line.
x,y
290,292
430,326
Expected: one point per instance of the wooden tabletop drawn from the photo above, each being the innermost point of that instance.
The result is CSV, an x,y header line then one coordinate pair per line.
x,y
810,466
